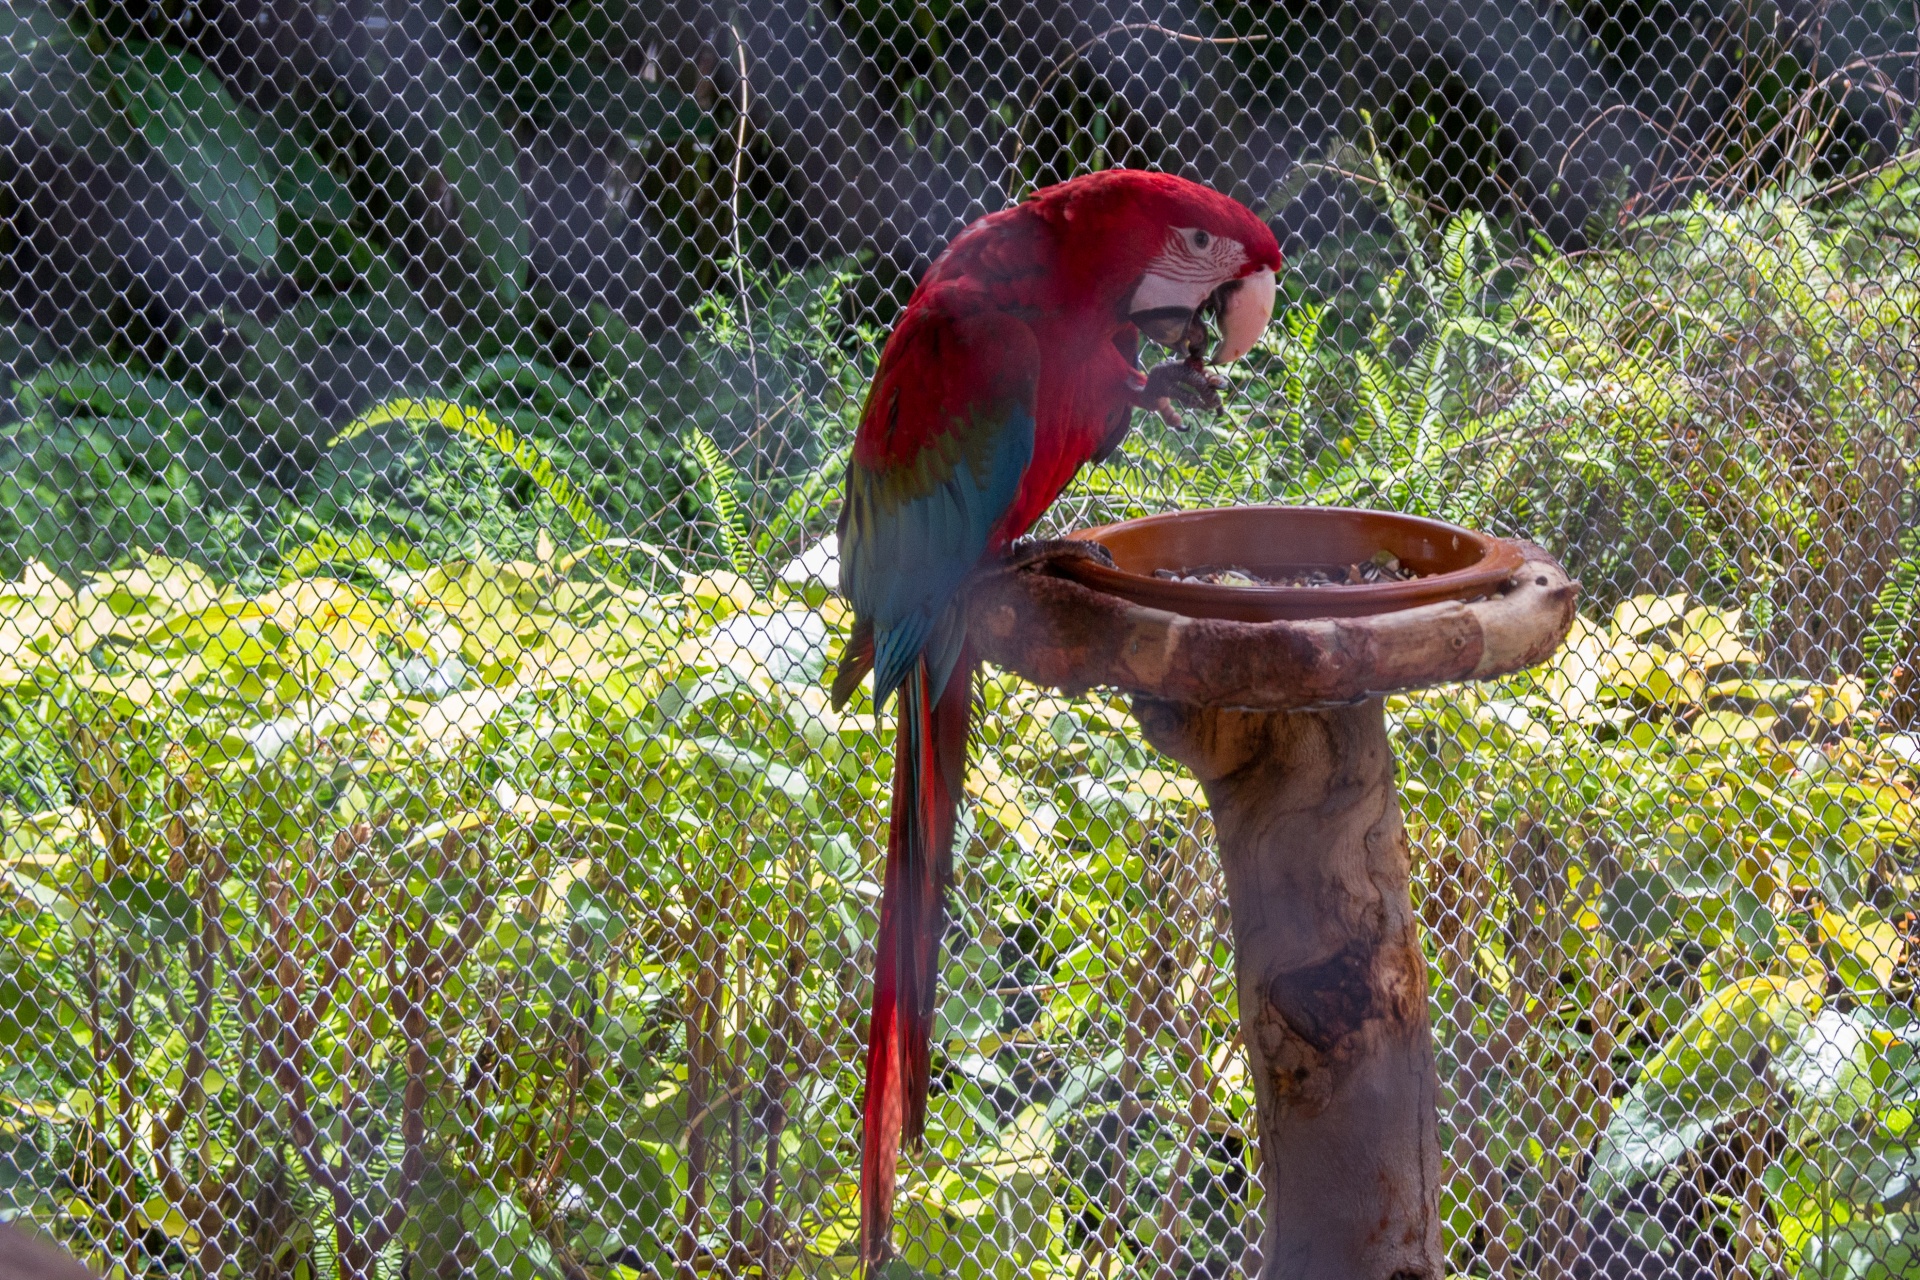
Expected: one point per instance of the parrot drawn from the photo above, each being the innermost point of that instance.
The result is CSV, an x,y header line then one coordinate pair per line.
x,y
1015,363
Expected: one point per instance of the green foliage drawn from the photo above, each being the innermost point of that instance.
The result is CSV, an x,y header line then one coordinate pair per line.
x,y
632,806
190,120
722,483
1687,878
481,162
1720,404
618,822
319,199
111,457
477,425
314,736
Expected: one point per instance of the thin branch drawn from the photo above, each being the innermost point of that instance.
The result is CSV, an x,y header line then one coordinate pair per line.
x,y
281,1053
410,1003
1074,54
739,251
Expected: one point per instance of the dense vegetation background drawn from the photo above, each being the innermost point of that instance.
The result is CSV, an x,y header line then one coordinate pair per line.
x,y
427,848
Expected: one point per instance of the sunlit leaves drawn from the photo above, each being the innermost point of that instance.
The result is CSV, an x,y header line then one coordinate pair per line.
x,y
1734,824
1711,1067
1640,907
1881,1248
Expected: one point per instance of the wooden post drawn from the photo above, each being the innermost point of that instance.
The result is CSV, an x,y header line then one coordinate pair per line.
x,y
1284,725
1333,986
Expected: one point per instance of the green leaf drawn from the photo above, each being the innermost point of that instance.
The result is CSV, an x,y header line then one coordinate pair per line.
x,y
1640,907
838,858
530,382
34,1023
28,33
968,1016
630,1187
1877,1249
1867,1169
729,514
751,767
1710,1068
433,1230
599,918
109,391
57,79
1081,1083
791,645
481,162
187,117
156,910
1756,928
304,185
1643,615
1641,1141
476,424
489,1232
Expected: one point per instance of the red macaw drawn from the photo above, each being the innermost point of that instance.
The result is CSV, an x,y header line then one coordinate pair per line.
x,y
1015,363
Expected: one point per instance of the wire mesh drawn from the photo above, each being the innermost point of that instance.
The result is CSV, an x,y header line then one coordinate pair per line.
x,y
429,849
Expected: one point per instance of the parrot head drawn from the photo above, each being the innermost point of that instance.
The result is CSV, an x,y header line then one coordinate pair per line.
x,y
1171,255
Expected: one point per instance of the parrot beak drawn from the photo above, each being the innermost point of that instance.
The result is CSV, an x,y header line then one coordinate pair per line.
x,y
1245,305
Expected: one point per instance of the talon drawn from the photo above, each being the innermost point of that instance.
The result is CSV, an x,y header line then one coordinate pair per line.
x,y
1031,553
1179,384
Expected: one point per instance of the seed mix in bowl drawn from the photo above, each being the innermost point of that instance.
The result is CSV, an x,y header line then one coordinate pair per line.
x,y
1383,567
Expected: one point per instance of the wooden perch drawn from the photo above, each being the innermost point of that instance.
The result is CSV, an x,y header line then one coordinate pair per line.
x,y
1283,724
1060,634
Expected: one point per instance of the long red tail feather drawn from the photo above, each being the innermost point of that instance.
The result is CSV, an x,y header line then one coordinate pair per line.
x,y
928,771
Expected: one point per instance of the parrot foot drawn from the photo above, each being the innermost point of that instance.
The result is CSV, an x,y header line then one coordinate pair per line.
x,y
1181,384
1029,553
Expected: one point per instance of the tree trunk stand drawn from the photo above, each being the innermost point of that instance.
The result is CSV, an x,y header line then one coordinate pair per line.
x,y
1283,723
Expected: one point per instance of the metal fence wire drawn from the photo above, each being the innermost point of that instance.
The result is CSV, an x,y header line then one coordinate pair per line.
x,y
429,850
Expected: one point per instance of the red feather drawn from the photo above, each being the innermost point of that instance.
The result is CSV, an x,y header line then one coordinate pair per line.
x,y
928,767
1025,312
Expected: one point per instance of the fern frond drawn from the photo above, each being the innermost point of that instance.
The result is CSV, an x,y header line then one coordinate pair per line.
x,y
477,424
728,513
1894,613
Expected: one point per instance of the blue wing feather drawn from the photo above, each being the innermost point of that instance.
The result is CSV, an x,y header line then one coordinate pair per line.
x,y
905,554
945,440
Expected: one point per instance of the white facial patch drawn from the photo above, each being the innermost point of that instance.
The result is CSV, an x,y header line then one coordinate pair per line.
x,y
1191,265
1184,274
1216,258
1160,293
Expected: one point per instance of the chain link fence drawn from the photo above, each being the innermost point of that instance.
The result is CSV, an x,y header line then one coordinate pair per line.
x,y
428,847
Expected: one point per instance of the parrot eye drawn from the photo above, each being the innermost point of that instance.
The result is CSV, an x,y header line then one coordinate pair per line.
x,y
1201,239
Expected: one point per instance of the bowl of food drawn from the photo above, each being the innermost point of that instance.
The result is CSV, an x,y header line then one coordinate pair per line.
x,y
1271,564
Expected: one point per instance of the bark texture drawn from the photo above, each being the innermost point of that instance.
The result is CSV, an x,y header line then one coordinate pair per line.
x,y
1332,983
1060,634
1283,724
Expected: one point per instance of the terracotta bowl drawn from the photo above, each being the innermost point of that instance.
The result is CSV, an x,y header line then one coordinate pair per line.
x,y
1272,542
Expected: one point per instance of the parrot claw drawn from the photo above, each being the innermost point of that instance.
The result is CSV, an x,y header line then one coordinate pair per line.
x,y
1029,553
1181,384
